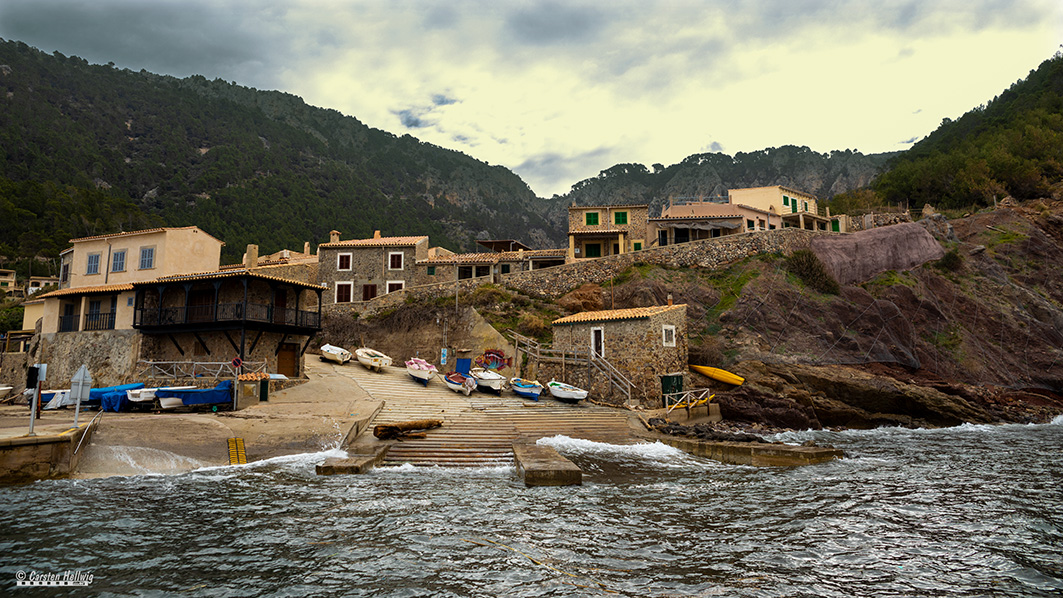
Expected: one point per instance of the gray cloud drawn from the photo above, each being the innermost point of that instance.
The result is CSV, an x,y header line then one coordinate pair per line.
x,y
546,23
551,169
442,100
910,141
177,38
411,118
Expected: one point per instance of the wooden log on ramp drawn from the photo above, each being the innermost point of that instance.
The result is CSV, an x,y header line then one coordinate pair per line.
x,y
389,431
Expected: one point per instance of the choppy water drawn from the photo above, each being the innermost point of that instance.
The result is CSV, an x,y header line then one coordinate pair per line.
x,y
967,511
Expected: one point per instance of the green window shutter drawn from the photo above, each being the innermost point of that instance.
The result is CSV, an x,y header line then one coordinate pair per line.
x,y
431,270
592,218
594,250
637,246
785,200
620,218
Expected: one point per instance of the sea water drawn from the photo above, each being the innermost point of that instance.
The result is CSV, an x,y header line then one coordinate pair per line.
x,y
965,511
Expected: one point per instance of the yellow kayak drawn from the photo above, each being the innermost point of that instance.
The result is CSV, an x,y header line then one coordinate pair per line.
x,y
718,374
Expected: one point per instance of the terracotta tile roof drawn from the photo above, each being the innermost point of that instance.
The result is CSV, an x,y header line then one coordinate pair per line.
x,y
492,258
252,376
463,258
378,242
693,217
226,274
106,288
619,205
145,232
610,315
586,230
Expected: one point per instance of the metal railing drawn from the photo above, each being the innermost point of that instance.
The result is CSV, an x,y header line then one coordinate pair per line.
x,y
99,321
687,399
226,312
69,323
197,369
612,375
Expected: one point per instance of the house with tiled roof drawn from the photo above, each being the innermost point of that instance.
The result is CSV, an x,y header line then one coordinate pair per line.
x,y
598,231
356,270
645,344
503,257
158,295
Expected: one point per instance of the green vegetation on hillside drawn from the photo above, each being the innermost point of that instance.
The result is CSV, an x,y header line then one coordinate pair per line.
x,y
248,166
1011,146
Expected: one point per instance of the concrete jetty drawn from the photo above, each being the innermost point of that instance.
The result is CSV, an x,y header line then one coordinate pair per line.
x,y
51,452
541,465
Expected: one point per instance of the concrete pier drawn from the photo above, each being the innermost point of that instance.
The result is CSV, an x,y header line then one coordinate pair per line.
x,y
543,466
355,463
753,453
48,454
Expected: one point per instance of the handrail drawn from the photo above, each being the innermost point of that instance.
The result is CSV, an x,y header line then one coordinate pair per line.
x,y
88,428
195,369
688,399
612,374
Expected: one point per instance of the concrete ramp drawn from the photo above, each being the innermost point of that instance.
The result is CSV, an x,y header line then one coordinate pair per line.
x,y
479,430
856,257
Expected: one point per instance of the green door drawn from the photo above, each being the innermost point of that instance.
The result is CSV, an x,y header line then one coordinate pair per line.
x,y
671,383
835,225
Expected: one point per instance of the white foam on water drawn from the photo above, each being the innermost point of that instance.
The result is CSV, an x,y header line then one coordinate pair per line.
x,y
1057,421
800,436
141,460
407,468
297,461
657,452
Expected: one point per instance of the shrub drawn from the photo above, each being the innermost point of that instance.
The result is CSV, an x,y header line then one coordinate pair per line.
x,y
809,269
488,294
533,326
951,261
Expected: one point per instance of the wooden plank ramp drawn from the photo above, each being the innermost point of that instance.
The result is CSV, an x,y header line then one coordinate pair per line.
x,y
479,430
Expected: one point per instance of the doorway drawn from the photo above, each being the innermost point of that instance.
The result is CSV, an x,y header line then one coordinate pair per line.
x,y
288,360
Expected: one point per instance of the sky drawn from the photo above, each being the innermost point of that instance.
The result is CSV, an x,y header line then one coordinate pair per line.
x,y
559,90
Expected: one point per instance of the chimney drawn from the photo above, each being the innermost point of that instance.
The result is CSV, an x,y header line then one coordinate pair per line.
x,y
334,236
669,298
251,257
376,234
306,248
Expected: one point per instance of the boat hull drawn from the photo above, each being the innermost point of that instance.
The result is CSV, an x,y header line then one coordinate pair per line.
x,y
459,383
487,379
718,374
567,392
526,389
372,360
335,354
420,370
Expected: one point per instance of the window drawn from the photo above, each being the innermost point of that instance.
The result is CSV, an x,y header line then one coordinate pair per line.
x,y
771,227
368,291
594,250
94,264
616,248
464,272
395,285
750,225
395,260
785,200
147,258
344,292
662,238
620,218
129,302
343,261
505,268
64,273
431,270
636,246
668,335
482,271
118,261
806,206
592,218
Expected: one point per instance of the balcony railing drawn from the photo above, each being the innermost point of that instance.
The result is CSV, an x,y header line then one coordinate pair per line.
x,y
99,321
225,313
69,323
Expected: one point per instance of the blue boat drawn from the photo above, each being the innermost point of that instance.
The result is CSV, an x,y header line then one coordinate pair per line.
x,y
529,389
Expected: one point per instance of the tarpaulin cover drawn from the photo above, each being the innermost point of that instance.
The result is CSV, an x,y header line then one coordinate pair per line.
x,y
115,401
96,394
222,393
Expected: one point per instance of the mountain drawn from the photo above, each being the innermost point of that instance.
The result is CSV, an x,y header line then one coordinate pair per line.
x,y
86,149
823,175
1011,146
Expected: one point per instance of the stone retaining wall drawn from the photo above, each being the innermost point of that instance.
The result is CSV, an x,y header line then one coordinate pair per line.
x,y
558,280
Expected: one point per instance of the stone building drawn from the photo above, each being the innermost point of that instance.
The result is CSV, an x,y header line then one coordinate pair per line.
x,y
361,269
597,231
504,257
797,208
696,219
642,343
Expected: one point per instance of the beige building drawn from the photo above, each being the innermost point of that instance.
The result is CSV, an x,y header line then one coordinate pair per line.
x,y
695,219
36,283
504,257
797,208
7,281
122,258
97,275
598,231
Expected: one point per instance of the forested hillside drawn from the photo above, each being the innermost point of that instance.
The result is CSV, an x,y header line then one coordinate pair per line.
x,y
86,149
713,174
1011,146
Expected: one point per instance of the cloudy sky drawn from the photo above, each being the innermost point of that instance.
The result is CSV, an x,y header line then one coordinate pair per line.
x,y
559,90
